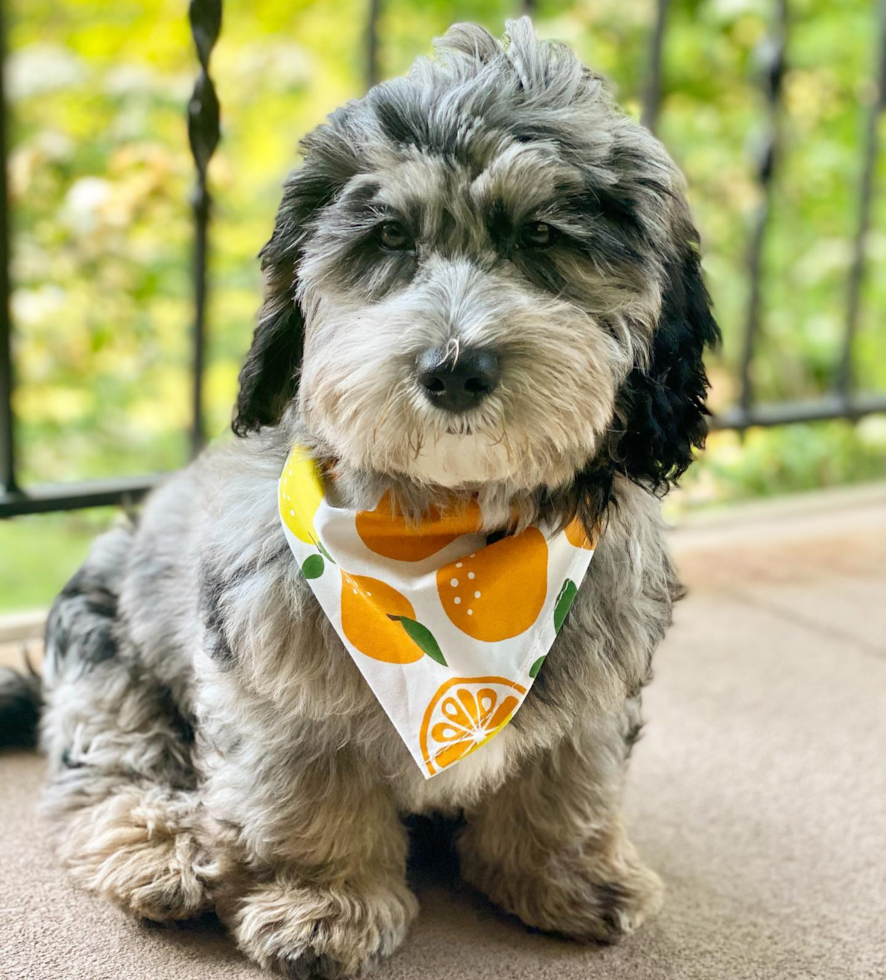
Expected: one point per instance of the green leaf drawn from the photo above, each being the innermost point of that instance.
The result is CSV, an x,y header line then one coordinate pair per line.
x,y
325,553
536,667
313,566
424,638
566,597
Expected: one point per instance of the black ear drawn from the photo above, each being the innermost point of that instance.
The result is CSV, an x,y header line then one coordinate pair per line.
x,y
662,406
269,378
660,414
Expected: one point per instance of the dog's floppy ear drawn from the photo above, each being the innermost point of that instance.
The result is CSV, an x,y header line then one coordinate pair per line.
x,y
662,406
269,378
660,414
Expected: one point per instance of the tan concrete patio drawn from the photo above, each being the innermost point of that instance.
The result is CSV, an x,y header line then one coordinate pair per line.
x,y
758,792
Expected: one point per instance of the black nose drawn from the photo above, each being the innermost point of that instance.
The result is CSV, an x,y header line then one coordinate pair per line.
x,y
457,381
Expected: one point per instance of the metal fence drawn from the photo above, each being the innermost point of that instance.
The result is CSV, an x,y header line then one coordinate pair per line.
x,y
203,133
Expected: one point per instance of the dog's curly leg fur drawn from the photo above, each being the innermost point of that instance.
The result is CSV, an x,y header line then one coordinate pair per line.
x,y
562,862
122,788
323,930
138,847
132,827
322,888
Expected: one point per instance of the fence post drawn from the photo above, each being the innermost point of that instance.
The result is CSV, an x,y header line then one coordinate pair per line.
x,y
8,484
372,66
771,57
203,135
845,373
654,81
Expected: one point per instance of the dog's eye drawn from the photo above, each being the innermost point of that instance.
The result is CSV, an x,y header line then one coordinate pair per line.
x,y
537,234
393,235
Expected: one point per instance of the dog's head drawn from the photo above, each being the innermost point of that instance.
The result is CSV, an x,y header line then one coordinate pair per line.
x,y
485,274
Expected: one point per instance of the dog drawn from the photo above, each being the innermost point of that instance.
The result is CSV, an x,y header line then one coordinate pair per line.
x,y
483,281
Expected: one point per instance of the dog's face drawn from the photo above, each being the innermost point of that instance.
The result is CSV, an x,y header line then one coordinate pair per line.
x,y
469,321
484,273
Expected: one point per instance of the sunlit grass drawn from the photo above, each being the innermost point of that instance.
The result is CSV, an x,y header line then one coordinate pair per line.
x,y
39,554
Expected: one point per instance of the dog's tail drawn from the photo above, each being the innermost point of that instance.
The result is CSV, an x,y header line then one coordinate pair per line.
x,y
21,699
80,633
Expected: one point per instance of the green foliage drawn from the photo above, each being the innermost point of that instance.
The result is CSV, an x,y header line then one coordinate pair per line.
x,y
101,175
787,459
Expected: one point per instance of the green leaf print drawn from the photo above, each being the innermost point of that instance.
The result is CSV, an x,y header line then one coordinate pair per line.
x,y
424,638
536,667
313,566
566,597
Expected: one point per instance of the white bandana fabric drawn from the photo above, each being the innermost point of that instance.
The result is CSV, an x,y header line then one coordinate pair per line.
x,y
448,628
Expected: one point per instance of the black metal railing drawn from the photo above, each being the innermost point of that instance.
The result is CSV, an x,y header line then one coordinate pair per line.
x,y
844,402
8,485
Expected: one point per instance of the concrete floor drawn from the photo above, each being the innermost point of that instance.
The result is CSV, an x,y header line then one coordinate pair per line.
x,y
758,792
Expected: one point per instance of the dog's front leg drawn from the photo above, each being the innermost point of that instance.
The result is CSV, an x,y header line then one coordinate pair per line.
x,y
550,847
322,853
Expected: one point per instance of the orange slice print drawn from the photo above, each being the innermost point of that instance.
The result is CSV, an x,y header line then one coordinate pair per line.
x,y
464,714
386,532
499,591
578,536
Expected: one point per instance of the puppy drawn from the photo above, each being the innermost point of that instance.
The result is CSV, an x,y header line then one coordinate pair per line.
x,y
211,742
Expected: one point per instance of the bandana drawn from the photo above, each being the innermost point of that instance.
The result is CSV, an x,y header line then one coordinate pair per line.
x,y
448,627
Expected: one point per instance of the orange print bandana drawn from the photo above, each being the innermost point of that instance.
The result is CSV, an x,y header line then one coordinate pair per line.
x,y
448,628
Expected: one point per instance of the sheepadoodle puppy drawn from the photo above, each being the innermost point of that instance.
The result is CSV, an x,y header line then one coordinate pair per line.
x,y
484,285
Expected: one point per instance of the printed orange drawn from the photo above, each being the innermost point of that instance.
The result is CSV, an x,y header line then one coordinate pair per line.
x,y
499,591
577,535
463,715
387,532
367,605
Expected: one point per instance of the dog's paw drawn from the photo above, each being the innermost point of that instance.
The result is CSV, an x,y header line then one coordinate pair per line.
x,y
138,849
614,909
310,931
589,898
